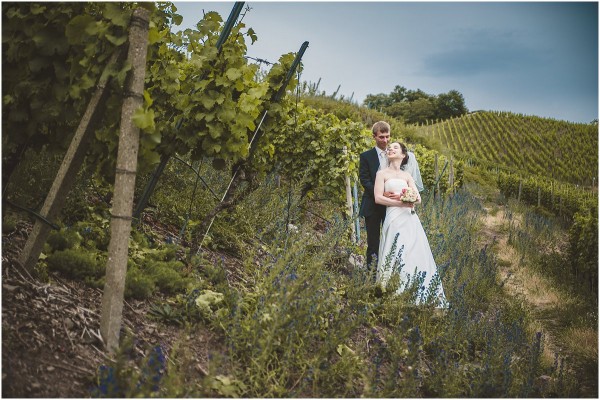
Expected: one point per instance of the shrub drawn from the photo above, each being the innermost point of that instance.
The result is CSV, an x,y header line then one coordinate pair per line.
x,y
77,264
63,239
583,250
138,285
167,276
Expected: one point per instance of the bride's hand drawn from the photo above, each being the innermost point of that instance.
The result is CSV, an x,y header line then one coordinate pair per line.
x,y
407,204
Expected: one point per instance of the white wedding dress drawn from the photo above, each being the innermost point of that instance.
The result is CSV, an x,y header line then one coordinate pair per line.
x,y
404,249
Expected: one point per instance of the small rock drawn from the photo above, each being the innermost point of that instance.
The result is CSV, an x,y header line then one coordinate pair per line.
x,y
69,324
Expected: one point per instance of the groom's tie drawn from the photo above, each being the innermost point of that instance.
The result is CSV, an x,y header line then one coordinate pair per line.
x,y
382,160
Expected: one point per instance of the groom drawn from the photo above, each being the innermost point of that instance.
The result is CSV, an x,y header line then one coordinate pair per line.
x,y
370,162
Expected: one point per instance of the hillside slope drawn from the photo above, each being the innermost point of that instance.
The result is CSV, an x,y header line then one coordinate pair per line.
x,y
531,145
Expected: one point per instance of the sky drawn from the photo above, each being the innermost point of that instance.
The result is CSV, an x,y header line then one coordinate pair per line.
x,y
534,58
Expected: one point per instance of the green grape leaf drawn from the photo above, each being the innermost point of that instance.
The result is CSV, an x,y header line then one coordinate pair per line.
x,y
177,19
49,43
116,15
154,137
116,40
154,36
226,114
144,119
37,9
76,28
36,64
147,99
252,35
207,102
215,130
233,73
96,28
149,157
211,147
220,97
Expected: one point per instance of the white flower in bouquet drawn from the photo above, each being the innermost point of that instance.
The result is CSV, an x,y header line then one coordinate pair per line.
x,y
409,195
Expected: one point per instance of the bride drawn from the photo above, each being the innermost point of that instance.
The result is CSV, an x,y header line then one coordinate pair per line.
x,y
404,248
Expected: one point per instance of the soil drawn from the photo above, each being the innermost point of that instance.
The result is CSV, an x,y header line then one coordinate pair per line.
x,y
51,343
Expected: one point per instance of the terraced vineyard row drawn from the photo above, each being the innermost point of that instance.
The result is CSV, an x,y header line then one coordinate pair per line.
x,y
531,145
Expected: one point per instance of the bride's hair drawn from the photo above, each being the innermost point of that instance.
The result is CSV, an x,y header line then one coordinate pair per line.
x,y
405,152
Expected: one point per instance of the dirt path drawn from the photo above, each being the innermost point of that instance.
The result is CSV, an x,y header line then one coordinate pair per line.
x,y
551,310
523,283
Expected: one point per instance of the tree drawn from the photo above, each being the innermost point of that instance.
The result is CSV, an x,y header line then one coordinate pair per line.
x,y
451,104
421,110
414,95
416,106
398,95
377,101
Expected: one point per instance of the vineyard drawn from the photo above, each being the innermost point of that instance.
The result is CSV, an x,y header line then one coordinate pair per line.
x,y
555,150
223,232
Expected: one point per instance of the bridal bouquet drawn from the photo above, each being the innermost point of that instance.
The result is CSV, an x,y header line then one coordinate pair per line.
x,y
409,195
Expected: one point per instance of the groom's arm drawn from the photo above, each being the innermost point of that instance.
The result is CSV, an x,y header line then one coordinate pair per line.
x,y
392,195
364,175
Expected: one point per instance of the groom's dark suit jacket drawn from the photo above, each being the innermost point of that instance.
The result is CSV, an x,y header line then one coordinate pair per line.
x,y
368,166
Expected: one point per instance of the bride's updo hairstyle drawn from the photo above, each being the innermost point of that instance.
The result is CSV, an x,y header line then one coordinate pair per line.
x,y
404,151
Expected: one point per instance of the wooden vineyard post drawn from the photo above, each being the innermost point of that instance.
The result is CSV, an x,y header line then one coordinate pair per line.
x,y
436,174
349,199
65,177
451,176
120,224
356,221
560,205
520,190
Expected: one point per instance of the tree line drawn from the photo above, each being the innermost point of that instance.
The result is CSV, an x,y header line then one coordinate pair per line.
x,y
416,106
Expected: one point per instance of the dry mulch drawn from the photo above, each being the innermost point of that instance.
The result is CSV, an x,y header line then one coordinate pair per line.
x,y
51,345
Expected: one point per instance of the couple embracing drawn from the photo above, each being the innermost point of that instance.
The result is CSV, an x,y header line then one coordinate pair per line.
x,y
396,241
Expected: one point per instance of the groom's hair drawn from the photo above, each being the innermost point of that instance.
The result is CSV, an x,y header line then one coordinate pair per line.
x,y
380,126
